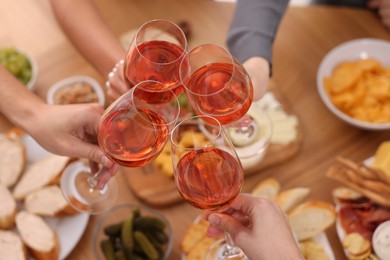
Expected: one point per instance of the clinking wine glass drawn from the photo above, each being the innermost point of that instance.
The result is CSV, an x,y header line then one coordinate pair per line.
x,y
208,172
218,85
132,132
155,54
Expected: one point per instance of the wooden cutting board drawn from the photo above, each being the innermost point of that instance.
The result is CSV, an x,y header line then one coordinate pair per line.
x,y
155,189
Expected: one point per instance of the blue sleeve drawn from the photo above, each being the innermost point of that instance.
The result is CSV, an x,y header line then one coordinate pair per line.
x,y
253,28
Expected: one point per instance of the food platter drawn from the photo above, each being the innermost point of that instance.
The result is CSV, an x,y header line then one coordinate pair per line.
x,y
364,217
68,229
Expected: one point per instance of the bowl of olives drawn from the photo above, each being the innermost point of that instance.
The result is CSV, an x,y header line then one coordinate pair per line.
x,y
20,64
132,232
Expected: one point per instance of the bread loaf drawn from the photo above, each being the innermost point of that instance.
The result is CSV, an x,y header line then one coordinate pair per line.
x,y
8,208
288,199
267,189
311,218
38,236
42,173
11,246
48,201
12,159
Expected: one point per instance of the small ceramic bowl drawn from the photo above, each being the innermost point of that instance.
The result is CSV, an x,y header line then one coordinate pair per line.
x,y
118,215
76,89
352,50
15,61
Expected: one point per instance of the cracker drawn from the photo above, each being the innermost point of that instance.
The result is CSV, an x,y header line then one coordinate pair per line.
x,y
199,252
194,234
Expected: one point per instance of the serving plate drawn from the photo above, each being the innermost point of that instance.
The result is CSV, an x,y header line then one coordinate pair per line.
x,y
352,50
69,229
341,233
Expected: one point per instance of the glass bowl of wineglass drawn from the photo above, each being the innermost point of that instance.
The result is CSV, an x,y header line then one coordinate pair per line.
x,y
217,85
155,54
121,231
133,130
208,172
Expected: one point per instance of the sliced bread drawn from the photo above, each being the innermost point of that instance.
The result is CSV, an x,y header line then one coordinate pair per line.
x,y
311,218
288,199
8,208
12,159
11,246
42,173
48,201
267,189
37,235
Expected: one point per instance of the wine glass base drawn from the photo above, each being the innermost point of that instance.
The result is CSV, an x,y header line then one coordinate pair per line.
x,y
251,142
80,195
220,251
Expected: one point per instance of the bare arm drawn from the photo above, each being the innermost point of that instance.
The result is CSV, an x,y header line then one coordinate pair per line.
x,y
90,34
69,130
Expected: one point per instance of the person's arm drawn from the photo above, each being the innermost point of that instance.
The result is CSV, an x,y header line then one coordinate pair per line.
x,y
91,35
258,226
68,130
251,37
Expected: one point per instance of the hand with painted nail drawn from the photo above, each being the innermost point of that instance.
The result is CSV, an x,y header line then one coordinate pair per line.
x,y
258,226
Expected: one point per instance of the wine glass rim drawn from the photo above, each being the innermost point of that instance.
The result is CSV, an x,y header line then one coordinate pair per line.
x,y
140,85
191,120
183,53
202,46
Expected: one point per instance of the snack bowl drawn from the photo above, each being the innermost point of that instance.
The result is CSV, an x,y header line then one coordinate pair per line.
x,y
76,89
111,233
22,65
353,50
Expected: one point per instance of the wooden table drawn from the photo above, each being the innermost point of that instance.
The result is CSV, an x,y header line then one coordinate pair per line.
x,y
305,36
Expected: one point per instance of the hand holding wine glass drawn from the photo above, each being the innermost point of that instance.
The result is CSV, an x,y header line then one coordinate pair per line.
x,y
132,132
208,172
258,226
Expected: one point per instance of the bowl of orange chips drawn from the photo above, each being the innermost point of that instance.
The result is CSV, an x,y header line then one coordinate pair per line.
x,y
353,81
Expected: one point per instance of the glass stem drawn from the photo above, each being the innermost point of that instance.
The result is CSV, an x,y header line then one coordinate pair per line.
x,y
99,179
230,248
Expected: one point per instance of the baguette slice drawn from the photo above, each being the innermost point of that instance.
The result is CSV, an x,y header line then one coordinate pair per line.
x,y
12,159
311,218
49,202
8,208
11,246
37,235
42,173
267,189
288,199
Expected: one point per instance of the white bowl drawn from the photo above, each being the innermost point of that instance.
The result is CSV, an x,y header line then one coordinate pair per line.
x,y
34,72
352,50
75,79
34,67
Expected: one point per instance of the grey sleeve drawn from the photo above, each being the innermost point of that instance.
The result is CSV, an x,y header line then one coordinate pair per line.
x,y
253,29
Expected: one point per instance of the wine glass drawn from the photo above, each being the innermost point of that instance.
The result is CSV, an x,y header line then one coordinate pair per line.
x,y
155,54
132,132
217,85
208,172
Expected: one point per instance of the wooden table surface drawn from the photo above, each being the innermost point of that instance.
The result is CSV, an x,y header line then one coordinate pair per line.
x,y
305,36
